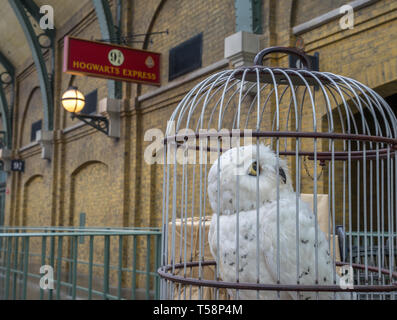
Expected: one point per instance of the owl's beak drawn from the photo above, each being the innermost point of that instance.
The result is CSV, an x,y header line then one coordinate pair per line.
x,y
282,174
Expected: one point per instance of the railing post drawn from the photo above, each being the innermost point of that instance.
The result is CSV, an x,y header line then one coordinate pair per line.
x,y
2,265
74,275
134,249
1,243
15,269
148,252
120,274
9,250
25,267
52,261
59,267
43,253
106,268
70,266
90,263
157,265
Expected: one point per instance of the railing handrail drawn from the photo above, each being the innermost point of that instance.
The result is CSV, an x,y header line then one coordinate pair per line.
x,y
73,227
371,234
75,231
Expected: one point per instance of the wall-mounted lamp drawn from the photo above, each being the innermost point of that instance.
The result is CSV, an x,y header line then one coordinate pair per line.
x,y
74,101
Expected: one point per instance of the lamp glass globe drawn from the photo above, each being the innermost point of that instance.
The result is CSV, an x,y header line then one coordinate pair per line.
x,y
73,100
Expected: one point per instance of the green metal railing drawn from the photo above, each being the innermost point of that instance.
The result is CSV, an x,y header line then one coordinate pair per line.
x,y
86,263
372,248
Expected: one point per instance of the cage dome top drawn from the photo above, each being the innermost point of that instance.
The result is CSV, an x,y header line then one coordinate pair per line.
x,y
286,102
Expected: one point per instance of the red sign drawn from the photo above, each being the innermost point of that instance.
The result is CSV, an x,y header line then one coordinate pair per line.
x,y
97,59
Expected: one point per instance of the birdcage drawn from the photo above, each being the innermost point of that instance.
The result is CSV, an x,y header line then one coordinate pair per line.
x,y
280,183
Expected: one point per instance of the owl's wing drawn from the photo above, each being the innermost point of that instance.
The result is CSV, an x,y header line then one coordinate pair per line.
x,y
293,259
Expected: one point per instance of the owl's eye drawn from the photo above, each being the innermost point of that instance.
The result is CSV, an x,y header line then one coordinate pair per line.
x,y
254,170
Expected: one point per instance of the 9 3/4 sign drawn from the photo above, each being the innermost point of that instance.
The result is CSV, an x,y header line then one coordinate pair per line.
x,y
116,57
18,165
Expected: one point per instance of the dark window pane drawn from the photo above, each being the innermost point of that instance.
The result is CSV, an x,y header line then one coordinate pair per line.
x,y
36,126
91,101
186,57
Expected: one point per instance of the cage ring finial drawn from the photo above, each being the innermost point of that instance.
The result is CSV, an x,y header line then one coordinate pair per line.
x,y
303,57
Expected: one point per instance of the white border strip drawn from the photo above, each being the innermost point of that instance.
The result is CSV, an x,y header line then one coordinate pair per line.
x,y
28,146
329,16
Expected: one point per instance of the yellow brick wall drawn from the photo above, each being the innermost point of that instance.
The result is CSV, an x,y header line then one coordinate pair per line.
x,y
348,47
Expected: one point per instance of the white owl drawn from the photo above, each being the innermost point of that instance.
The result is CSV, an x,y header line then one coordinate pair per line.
x,y
246,170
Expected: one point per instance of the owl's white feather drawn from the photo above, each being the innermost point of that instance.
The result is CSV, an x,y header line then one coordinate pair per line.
x,y
234,167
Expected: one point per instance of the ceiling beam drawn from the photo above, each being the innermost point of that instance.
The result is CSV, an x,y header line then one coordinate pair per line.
x,y
20,9
5,119
7,64
5,106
